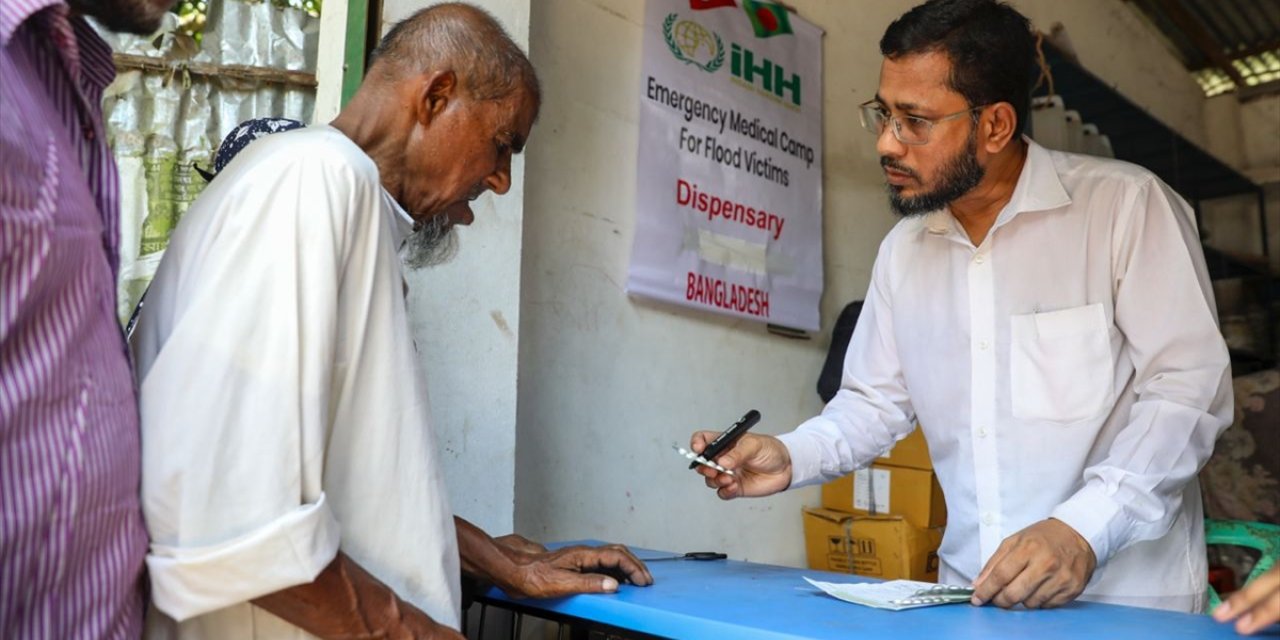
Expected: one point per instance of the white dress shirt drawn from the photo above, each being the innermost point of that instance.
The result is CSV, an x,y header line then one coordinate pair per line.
x,y
1069,367
283,412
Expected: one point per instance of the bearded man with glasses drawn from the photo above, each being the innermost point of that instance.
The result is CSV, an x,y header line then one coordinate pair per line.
x,y
1047,319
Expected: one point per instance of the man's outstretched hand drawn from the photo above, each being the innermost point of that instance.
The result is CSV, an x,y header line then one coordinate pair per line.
x,y
761,466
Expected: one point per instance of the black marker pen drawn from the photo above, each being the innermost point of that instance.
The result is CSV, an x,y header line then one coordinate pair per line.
x,y
730,436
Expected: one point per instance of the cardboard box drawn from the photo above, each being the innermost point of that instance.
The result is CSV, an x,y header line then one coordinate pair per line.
x,y
886,547
912,493
911,451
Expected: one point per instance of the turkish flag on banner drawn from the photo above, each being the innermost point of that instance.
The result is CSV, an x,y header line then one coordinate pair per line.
x,y
699,5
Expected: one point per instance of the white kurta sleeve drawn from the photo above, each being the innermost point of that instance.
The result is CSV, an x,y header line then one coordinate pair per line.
x,y
1164,307
872,410
236,394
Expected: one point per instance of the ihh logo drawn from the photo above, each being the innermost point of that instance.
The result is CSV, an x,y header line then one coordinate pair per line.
x,y
767,75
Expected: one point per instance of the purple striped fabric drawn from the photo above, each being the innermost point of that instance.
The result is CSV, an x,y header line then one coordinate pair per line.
x,y
72,541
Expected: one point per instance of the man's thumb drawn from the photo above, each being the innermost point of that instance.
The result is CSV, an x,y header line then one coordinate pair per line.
x,y
595,583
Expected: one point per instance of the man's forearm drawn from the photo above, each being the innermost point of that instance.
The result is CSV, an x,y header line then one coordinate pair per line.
x,y
347,602
482,557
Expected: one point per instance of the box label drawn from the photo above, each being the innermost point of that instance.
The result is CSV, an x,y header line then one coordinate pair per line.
x,y
868,485
862,565
857,546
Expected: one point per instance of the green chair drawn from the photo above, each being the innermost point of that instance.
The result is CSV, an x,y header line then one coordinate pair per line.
x,y
1253,535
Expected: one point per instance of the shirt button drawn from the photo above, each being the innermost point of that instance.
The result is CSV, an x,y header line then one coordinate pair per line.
x,y
988,519
982,344
982,432
980,258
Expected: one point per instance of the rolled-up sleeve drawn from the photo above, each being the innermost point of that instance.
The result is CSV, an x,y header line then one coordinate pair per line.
x,y
291,550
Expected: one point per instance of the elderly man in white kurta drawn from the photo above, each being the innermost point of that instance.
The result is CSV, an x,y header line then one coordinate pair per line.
x,y
291,485
1047,317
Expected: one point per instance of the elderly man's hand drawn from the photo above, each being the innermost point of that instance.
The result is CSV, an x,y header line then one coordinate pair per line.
x,y
1043,566
579,569
1256,606
761,466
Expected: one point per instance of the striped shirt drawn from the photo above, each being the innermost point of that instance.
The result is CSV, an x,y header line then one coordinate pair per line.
x,y
72,541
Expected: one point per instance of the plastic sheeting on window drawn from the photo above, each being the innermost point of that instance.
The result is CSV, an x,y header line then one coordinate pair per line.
x,y
162,122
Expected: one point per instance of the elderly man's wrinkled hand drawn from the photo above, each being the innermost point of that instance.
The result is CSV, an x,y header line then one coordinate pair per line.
x,y
1046,565
571,570
761,466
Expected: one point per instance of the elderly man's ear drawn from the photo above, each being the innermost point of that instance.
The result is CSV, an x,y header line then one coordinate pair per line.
x,y
434,95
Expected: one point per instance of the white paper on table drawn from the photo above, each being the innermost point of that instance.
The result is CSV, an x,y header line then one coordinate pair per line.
x,y
895,595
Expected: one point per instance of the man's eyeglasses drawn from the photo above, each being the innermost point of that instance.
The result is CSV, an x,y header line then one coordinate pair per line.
x,y
912,130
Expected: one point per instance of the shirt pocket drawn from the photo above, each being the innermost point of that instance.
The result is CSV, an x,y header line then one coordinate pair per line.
x,y
1060,364
29,181
28,196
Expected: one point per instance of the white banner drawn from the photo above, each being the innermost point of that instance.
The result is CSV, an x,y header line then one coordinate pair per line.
x,y
729,185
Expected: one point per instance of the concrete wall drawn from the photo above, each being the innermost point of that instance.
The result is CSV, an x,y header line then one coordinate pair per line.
x,y
1246,136
1116,43
607,383
1260,135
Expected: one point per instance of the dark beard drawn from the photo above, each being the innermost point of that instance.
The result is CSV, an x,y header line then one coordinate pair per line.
x,y
129,16
958,177
432,243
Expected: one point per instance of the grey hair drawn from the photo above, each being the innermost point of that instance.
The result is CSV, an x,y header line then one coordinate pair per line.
x,y
466,40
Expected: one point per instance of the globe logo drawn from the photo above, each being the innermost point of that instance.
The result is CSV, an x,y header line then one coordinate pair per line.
x,y
691,37
691,43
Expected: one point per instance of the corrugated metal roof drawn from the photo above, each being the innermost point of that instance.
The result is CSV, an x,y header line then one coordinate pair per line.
x,y
1226,44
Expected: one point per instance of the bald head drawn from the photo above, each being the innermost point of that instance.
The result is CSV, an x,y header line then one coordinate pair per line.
x,y
448,101
463,39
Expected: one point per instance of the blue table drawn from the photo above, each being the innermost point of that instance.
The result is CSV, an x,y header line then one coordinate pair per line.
x,y
748,601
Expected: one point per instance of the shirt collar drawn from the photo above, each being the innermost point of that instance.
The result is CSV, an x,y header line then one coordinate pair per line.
x,y
87,57
403,224
15,12
96,62
938,222
1038,189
